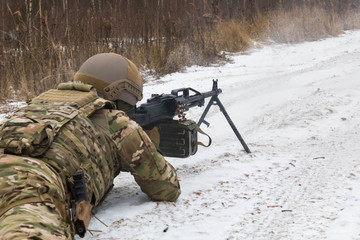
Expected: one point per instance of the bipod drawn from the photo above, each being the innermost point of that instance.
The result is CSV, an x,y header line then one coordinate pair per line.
x,y
216,101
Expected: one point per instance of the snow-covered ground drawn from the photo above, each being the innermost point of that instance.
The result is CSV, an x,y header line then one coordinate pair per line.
x,y
298,108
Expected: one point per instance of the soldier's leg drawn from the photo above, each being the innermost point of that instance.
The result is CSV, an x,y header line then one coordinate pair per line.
x,y
32,200
34,221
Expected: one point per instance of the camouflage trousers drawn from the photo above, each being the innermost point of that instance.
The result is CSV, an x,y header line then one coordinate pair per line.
x,y
32,200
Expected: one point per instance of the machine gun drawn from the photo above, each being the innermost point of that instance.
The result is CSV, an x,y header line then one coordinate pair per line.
x,y
163,108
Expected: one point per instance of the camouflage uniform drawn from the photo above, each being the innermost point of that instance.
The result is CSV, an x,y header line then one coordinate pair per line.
x,y
63,132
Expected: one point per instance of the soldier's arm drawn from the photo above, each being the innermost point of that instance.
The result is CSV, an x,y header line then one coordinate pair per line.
x,y
156,177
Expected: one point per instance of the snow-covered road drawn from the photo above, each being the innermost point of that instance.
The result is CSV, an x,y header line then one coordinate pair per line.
x,y
297,107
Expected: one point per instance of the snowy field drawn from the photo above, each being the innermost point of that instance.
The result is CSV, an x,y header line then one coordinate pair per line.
x,y
297,107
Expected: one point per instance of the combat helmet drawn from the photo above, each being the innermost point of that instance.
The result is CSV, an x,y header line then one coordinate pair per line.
x,y
113,76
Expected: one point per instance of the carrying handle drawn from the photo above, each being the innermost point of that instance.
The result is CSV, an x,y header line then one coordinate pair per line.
x,y
202,132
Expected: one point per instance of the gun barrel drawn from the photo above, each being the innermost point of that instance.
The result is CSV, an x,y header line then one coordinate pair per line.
x,y
198,99
212,93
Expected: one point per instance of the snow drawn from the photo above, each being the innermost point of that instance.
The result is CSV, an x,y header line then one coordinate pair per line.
x,y
297,107
7,109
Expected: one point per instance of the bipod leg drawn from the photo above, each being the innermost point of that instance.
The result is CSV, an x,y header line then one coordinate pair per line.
x,y
222,108
216,101
202,118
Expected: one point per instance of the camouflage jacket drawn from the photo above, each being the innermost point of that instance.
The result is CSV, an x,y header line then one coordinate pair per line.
x,y
60,133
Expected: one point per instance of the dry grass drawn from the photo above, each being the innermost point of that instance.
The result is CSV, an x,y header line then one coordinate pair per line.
x,y
42,46
309,24
233,36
